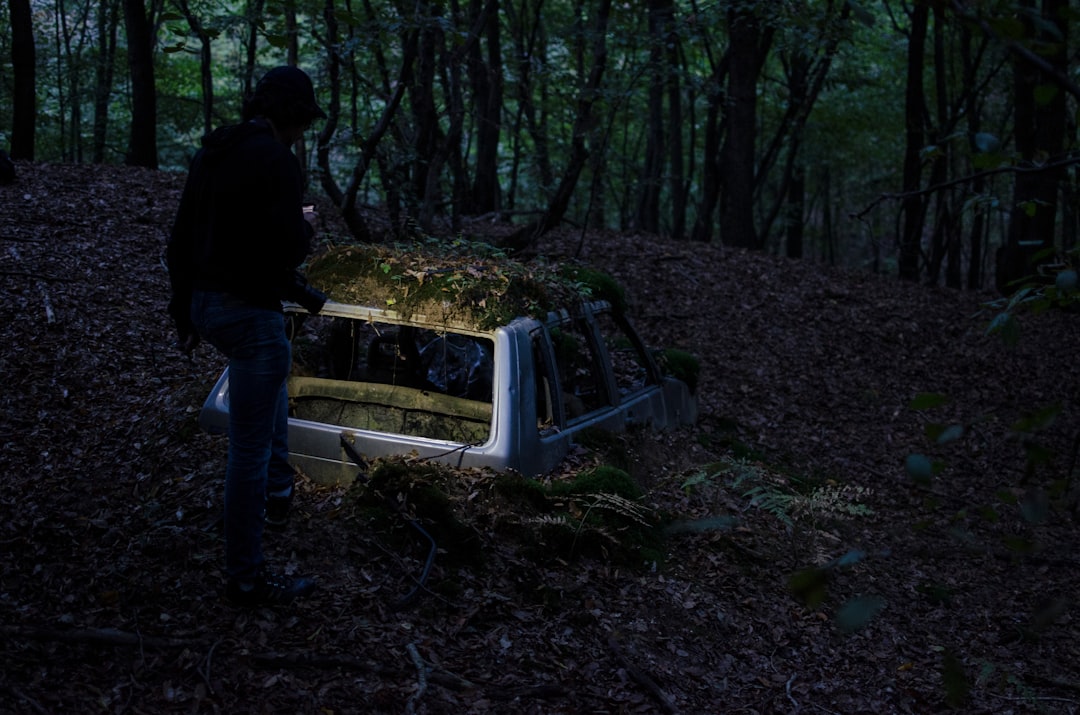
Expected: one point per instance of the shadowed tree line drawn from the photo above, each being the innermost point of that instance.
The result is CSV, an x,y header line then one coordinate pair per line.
x,y
935,140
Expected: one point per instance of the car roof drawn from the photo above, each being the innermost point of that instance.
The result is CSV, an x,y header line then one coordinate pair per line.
x,y
467,290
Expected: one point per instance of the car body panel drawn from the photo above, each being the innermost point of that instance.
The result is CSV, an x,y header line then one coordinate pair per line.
x,y
525,425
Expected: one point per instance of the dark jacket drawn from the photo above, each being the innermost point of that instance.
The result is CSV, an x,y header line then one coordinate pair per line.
x,y
240,228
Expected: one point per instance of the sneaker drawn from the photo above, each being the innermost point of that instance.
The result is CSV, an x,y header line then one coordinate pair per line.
x,y
268,589
277,510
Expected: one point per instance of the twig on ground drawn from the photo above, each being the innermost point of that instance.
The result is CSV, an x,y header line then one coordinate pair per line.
x,y
787,689
421,677
101,636
205,672
641,676
309,660
34,705
1034,698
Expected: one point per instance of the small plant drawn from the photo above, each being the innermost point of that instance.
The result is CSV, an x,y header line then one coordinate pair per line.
x,y
1037,294
766,492
740,469
682,365
455,279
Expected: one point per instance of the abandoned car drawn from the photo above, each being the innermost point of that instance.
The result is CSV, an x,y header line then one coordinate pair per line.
x,y
473,363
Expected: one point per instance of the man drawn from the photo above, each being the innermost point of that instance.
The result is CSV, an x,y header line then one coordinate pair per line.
x,y
240,233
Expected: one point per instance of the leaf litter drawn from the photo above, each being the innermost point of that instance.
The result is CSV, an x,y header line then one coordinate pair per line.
x,y
959,597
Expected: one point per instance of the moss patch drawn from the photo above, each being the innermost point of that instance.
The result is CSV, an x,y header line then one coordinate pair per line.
x,y
598,513
680,364
396,491
455,282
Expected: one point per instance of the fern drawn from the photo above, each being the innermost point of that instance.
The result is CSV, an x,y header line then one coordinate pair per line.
x,y
619,505
778,504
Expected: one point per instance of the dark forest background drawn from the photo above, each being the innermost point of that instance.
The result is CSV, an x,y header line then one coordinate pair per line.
x,y
877,509
931,140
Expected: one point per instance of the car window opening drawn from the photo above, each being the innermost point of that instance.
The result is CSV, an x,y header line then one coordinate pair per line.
x,y
398,379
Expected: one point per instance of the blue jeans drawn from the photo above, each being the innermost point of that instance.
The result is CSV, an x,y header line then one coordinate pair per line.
x,y
254,341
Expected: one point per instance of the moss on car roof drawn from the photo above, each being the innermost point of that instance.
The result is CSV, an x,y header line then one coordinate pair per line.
x,y
457,282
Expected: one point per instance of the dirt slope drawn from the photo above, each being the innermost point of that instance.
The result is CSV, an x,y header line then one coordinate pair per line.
x,y
808,572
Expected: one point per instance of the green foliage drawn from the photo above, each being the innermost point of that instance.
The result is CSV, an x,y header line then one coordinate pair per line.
x,y
779,496
682,365
599,512
811,586
858,612
599,480
1026,431
458,280
397,490
596,284
920,468
955,679
596,514
610,447
1036,295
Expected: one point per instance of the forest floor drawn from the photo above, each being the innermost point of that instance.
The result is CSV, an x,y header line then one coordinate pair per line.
x,y
803,568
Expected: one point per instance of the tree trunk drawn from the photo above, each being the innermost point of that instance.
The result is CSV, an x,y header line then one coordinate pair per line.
x,y
678,182
205,65
806,67
796,201
749,45
447,147
913,207
252,16
333,109
487,85
142,144
660,15
23,66
579,152
108,18
977,234
72,32
369,145
710,180
1040,130
530,50
422,99
943,233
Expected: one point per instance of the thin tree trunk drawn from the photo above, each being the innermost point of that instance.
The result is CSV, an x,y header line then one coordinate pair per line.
x,y
142,145
422,100
333,109
73,32
806,69
659,16
677,182
448,151
1040,129
579,152
530,49
796,201
749,46
369,145
61,95
913,207
205,65
710,190
252,16
487,87
108,18
23,66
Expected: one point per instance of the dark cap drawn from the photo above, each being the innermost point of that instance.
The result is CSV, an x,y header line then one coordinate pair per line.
x,y
290,83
